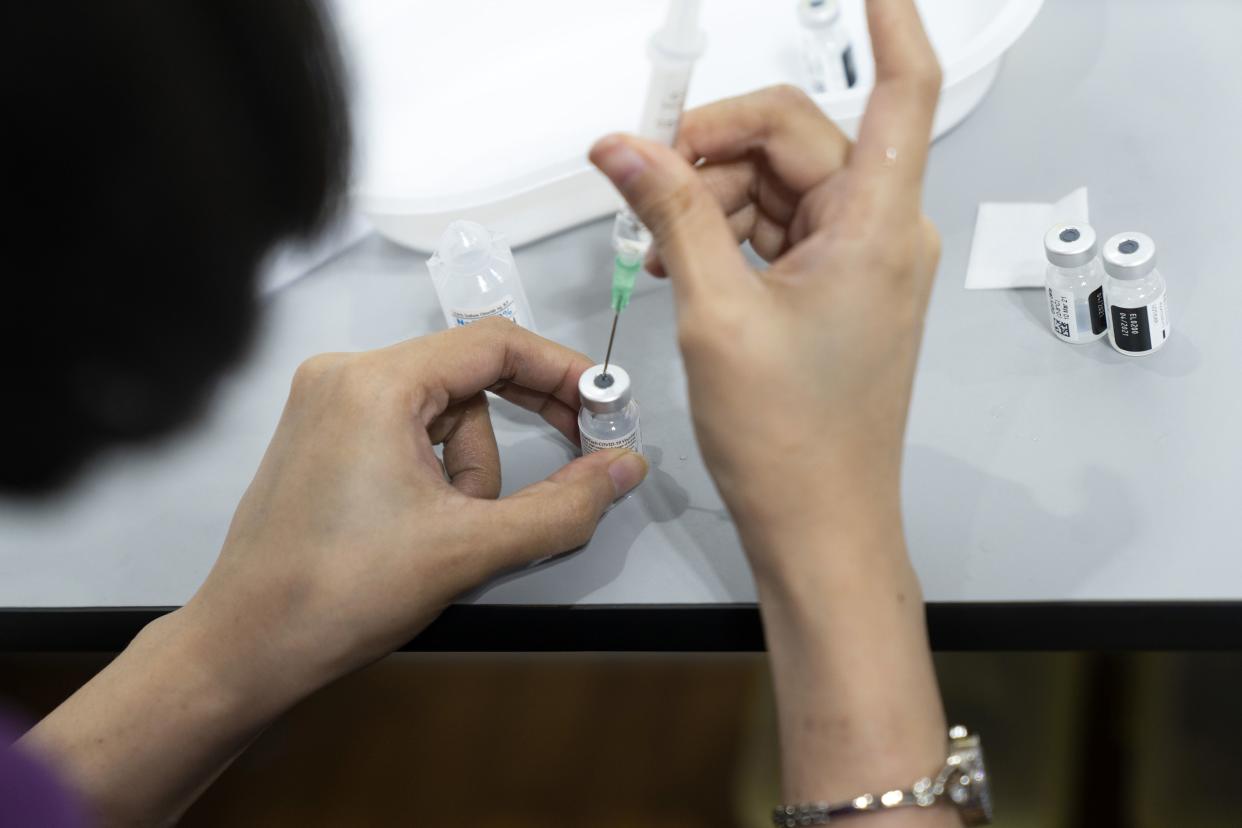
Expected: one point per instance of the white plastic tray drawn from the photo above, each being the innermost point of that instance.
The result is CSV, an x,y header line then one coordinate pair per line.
x,y
484,109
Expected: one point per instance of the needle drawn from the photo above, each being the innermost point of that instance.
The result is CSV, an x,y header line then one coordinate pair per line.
x,y
611,337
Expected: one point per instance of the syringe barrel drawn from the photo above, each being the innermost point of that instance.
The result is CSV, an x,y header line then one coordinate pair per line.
x,y
673,51
666,96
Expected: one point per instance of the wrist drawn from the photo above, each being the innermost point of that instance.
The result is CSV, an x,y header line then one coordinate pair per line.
x,y
843,618
851,539
243,668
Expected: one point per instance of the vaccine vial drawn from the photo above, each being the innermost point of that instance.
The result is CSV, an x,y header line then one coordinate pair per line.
x,y
1074,281
827,52
609,415
475,277
1138,313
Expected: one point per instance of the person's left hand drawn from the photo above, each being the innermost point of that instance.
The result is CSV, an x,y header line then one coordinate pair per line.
x,y
353,536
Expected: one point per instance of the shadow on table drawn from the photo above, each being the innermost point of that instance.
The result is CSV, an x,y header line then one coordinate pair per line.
x,y
1179,358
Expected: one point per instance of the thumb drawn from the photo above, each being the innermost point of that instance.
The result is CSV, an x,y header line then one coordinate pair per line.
x,y
696,245
560,513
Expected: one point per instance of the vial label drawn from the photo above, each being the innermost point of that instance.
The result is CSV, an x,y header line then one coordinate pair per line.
x,y
830,71
851,73
1061,311
1099,314
1140,330
505,308
632,441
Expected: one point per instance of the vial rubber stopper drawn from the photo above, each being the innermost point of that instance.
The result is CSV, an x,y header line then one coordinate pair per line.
x,y
1070,245
1129,255
609,397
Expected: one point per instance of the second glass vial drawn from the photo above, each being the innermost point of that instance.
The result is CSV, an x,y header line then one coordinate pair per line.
x,y
827,52
1074,281
1137,308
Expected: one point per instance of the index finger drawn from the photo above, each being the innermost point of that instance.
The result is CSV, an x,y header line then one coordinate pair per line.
x,y
896,128
801,144
456,364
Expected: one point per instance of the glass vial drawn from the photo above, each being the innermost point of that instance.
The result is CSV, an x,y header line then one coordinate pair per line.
x,y
1138,314
1074,281
475,277
827,53
609,415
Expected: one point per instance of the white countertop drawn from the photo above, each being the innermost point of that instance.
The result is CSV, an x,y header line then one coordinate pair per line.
x,y
1035,471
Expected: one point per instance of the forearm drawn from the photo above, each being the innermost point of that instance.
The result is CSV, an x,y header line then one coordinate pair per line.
x,y
143,738
859,708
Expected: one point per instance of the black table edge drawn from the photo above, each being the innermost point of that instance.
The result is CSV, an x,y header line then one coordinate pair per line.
x,y
1008,626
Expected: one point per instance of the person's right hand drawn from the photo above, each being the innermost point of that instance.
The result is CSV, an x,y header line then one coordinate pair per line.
x,y
799,374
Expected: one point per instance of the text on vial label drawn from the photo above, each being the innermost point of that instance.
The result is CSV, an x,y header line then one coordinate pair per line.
x,y
1061,311
1142,329
632,441
505,308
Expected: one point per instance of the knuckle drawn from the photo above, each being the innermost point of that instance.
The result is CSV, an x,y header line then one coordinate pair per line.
x,y
701,332
893,254
694,337
930,238
672,205
490,331
935,72
493,325
730,323
310,373
789,96
931,79
360,380
579,532
925,75
907,257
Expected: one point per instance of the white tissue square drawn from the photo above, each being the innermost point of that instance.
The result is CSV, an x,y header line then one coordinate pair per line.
x,y
1008,248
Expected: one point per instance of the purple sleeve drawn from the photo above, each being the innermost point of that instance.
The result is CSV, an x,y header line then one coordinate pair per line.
x,y
30,794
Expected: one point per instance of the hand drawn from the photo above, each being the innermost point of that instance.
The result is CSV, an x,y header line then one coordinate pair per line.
x,y
350,539
799,375
799,380
352,536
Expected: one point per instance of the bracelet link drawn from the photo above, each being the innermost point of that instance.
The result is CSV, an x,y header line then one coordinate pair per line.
x,y
962,782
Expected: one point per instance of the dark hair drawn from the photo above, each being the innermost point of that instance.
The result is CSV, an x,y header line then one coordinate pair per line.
x,y
157,151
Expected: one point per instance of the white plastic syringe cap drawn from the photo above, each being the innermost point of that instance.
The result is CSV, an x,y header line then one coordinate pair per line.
x,y
608,399
681,36
1129,256
1070,245
465,244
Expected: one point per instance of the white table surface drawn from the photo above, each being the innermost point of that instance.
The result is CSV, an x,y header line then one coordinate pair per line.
x,y
1035,471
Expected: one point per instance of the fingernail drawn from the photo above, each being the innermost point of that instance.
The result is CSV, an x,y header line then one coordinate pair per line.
x,y
627,471
617,160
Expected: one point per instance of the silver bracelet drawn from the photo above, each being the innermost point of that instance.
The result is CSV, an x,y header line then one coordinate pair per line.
x,y
962,782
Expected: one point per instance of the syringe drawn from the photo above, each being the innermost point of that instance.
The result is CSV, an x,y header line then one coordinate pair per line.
x,y
673,51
